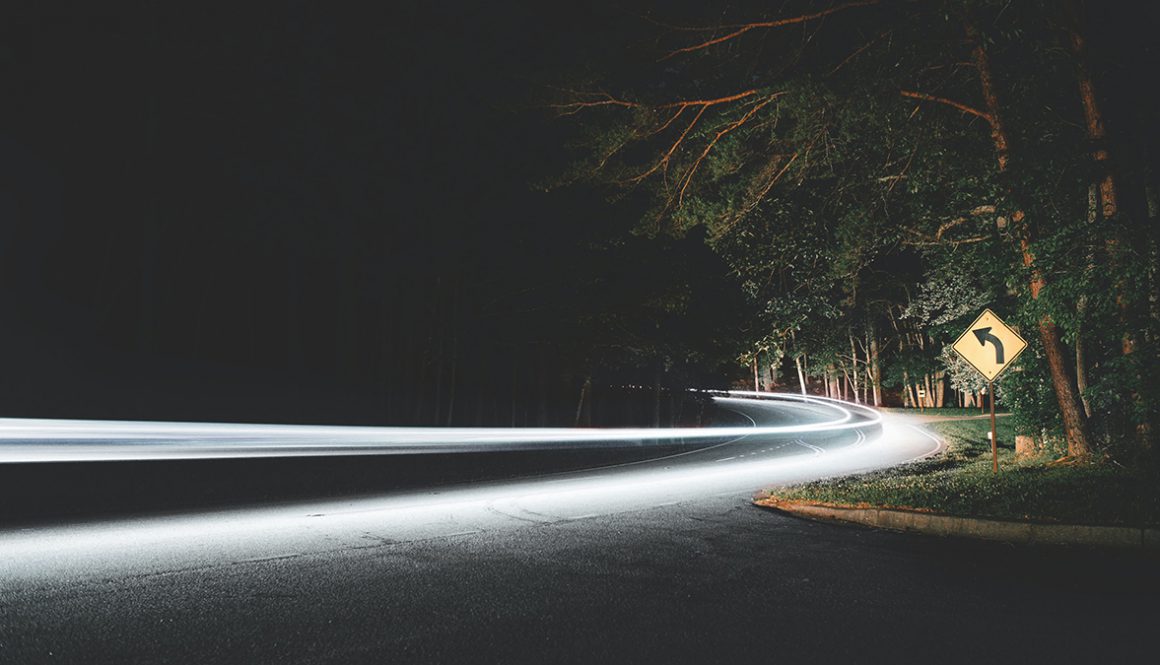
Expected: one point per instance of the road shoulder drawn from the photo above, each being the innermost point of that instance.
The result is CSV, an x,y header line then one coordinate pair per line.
x,y
935,524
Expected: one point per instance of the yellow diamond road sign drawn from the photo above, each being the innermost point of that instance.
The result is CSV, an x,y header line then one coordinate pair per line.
x,y
989,345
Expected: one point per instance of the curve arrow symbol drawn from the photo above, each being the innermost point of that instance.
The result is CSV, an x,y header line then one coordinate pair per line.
x,y
984,335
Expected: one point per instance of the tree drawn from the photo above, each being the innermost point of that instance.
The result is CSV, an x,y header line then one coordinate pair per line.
x,y
815,160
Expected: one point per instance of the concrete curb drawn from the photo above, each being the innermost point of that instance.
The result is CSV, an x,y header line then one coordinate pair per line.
x,y
934,524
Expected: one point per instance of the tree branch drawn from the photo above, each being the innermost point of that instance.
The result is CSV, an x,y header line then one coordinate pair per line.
x,y
761,195
857,52
949,102
571,108
728,128
702,106
924,240
664,161
709,102
746,27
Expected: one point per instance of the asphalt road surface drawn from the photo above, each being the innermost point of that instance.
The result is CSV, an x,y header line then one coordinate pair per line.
x,y
661,560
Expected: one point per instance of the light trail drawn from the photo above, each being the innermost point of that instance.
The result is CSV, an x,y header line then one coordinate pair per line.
x,y
94,550
41,440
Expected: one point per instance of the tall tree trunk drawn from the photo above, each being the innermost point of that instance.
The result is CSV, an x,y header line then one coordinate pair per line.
x,y
1093,118
854,368
1074,422
1081,363
875,373
1109,196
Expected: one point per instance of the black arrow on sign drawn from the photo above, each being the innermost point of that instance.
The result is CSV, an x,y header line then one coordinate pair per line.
x,y
983,335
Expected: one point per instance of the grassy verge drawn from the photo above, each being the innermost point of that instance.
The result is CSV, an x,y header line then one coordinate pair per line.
x,y
960,482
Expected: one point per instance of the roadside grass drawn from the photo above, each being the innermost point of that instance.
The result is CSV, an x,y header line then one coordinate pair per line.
x,y
960,482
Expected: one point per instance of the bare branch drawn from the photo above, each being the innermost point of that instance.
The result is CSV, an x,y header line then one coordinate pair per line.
x,y
668,122
664,161
858,51
746,27
571,108
949,102
617,148
947,226
923,240
709,102
728,128
702,106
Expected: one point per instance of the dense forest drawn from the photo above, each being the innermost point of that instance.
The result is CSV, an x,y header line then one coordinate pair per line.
x,y
875,173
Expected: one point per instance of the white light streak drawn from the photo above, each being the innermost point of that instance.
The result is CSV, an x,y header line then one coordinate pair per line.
x,y
105,549
39,440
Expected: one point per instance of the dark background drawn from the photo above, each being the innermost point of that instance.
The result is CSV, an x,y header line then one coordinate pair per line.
x,y
322,213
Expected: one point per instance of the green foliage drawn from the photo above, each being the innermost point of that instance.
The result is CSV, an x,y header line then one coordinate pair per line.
x,y
848,209
1025,388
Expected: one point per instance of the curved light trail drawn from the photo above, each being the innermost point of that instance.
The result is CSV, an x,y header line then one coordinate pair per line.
x,y
839,439
34,440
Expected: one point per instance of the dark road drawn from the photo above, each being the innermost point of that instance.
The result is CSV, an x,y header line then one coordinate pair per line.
x,y
658,561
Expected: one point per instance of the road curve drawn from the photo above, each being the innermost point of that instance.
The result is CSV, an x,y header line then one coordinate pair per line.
x,y
658,560
785,440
